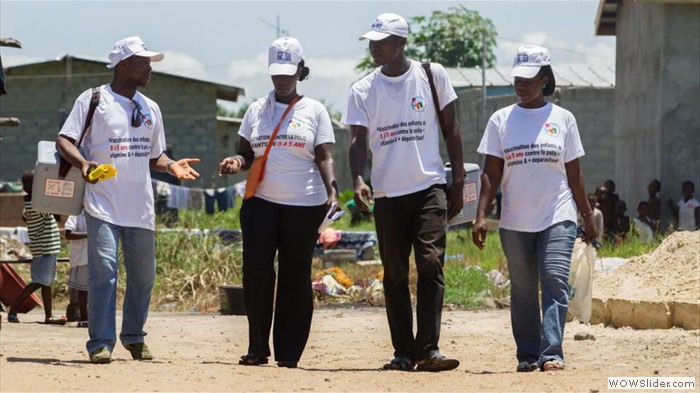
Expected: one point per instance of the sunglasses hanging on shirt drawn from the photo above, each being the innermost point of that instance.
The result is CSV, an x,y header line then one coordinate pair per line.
x,y
136,115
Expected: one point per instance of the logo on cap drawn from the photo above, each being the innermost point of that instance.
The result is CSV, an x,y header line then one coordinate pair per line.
x,y
522,58
284,56
377,25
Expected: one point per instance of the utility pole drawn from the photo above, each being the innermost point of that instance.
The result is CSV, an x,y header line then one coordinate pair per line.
x,y
280,31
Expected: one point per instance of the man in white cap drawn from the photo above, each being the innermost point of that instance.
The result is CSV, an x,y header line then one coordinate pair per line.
x,y
127,132
393,110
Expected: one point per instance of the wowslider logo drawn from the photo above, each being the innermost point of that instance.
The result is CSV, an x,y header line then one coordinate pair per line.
x,y
652,383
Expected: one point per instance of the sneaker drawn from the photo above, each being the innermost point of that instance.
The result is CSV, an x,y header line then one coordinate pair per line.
x,y
139,351
101,356
12,317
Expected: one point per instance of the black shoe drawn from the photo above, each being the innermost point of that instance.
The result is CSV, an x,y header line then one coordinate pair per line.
x,y
251,360
527,367
287,364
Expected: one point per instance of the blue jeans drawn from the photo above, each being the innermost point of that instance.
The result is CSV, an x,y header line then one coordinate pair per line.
x,y
138,248
539,257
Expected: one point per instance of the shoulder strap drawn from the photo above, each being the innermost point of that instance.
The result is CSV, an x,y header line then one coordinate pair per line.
x,y
433,90
64,166
274,133
94,101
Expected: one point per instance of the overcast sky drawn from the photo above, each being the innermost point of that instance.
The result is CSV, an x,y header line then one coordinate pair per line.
x,y
227,41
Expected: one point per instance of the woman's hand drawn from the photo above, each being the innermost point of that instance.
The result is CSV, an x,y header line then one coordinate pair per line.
x,y
479,232
230,165
333,198
589,227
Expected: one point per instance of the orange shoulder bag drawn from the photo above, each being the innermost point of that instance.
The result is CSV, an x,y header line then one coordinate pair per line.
x,y
257,168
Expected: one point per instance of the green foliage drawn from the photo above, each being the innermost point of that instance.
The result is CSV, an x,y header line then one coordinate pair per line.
x,y
454,39
630,247
465,287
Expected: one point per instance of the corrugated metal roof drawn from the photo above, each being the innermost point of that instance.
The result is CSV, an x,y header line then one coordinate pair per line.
x,y
566,76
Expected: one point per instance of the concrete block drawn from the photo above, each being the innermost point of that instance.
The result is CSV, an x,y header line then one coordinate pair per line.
x,y
600,313
621,312
686,315
653,315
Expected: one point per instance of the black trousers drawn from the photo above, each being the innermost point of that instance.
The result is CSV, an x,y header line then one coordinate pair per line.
x,y
290,231
415,220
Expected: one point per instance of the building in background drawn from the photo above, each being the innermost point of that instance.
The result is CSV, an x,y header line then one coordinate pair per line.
x,y
43,94
657,94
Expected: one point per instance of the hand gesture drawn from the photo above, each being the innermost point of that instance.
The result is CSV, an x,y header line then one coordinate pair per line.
x,y
182,169
230,165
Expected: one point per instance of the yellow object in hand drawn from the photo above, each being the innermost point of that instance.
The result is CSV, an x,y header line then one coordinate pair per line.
x,y
102,172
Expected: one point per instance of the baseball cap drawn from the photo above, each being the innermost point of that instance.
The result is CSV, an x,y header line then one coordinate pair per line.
x,y
386,25
528,61
284,56
131,46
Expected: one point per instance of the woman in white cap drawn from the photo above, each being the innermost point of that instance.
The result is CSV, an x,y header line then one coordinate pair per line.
x,y
532,152
282,215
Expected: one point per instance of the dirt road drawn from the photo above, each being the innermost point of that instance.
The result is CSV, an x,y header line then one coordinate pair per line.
x,y
344,354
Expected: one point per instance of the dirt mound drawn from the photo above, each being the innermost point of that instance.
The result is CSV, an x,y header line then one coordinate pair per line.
x,y
670,273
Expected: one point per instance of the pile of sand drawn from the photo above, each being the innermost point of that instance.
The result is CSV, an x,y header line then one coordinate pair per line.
x,y
670,273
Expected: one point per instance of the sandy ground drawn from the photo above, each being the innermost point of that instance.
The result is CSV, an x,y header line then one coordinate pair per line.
x,y
345,352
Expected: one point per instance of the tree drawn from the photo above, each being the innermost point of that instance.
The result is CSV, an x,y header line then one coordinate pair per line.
x,y
453,39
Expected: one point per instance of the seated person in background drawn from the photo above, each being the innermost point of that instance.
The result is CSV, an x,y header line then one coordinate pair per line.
x,y
597,215
653,189
644,226
619,224
602,202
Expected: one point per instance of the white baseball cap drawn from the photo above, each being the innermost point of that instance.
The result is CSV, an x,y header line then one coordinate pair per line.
x,y
528,61
131,46
284,56
386,25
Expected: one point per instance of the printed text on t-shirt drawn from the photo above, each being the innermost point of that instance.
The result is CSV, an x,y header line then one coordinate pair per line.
x,y
129,147
534,153
402,132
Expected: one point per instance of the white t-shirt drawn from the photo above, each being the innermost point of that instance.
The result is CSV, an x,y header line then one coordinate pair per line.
x,y
535,144
291,175
403,127
127,198
78,248
686,214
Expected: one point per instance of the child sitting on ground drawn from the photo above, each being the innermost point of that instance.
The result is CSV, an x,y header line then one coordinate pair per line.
x,y
619,224
644,226
686,212
76,232
44,243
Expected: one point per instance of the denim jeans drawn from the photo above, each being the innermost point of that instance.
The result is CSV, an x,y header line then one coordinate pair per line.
x,y
138,248
539,257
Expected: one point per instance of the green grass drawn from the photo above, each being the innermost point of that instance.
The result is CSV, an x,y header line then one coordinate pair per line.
x,y
629,248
